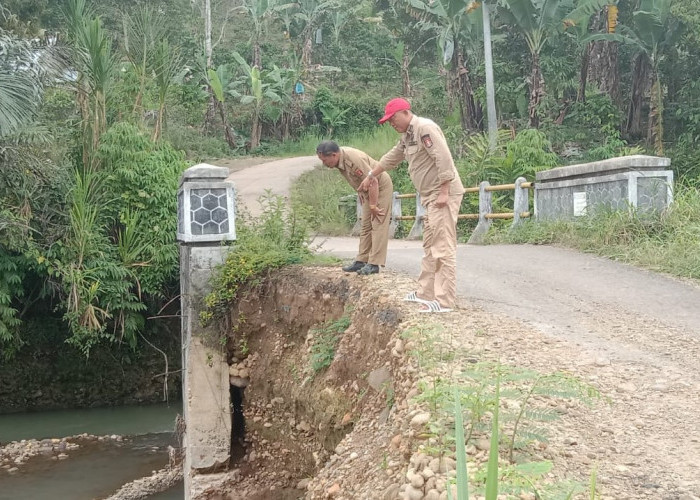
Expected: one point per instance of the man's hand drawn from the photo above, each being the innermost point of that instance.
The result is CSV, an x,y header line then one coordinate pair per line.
x,y
442,198
376,213
364,185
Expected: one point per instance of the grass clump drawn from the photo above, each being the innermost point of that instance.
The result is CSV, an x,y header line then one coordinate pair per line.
x,y
375,143
316,198
326,338
277,239
665,241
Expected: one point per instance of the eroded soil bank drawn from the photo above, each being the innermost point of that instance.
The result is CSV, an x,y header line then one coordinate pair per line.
x,y
377,422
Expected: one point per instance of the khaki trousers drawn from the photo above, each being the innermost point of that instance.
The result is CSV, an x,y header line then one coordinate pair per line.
x,y
374,234
438,280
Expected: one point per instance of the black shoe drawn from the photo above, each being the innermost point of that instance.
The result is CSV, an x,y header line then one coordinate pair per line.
x,y
355,266
369,269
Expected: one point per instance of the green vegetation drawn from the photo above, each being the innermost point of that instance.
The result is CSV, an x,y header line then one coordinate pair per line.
x,y
325,342
664,242
486,398
104,103
274,240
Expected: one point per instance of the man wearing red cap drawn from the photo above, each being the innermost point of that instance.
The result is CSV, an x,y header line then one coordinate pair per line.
x,y
437,181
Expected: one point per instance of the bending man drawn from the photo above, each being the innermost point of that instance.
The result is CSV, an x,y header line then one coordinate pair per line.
x,y
354,165
433,172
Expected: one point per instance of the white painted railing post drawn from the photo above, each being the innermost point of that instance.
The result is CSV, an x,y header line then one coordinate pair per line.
x,y
395,213
417,229
522,201
482,227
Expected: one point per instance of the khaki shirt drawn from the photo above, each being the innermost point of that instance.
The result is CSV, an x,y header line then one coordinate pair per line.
x,y
354,165
430,162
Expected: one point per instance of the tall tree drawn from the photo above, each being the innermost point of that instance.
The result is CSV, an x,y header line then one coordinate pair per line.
x,y
260,12
539,21
455,28
220,81
604,69
653,33
144,31
92,57
308,13
20,83
166,66
257,93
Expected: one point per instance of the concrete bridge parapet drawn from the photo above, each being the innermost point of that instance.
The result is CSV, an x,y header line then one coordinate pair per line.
x,y
206,219
644,183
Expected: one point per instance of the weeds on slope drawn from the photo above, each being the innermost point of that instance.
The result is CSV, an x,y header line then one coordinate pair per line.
x,y
668,241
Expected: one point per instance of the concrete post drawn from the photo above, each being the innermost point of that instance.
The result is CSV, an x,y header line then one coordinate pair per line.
x,y
484,224
395,214
522,201
416,232
206,218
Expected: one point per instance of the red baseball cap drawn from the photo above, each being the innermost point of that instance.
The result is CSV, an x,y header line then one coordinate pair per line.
x,y
397,104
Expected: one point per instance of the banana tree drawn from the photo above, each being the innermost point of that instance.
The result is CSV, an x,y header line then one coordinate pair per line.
x,y
260,13
257,93
654,33
578,25
308,13
455,27
538,21
219,81
603,55
281,81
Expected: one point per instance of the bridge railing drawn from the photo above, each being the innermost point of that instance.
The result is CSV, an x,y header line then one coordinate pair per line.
x,y
521,209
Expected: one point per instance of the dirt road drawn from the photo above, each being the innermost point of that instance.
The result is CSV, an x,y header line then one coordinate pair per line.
x,y
633,333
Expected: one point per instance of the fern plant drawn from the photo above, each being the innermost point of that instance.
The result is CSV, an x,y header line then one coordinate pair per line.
x,y
10,288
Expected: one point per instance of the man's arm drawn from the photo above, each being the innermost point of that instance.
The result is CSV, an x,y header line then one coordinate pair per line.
x,y
388,162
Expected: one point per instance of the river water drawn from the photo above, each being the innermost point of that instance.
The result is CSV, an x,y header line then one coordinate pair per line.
x,y
95,470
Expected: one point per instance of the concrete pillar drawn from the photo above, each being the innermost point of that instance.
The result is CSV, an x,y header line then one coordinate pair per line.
x,y
485,208
521,202
206,218
416,232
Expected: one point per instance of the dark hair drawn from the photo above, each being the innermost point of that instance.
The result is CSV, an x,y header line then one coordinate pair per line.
x,y
327,147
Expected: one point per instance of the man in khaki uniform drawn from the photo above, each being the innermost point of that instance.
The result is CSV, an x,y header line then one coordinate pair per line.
x,y
433,172
354,164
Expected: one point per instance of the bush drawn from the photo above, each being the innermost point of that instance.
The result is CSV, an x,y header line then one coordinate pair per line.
x,y
361,113
144,178
275,240
197,146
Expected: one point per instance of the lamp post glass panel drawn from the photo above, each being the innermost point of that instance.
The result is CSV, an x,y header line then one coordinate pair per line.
x,y
205,205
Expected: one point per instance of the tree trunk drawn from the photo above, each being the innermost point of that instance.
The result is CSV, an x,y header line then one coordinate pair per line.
x,y
257,55
655,128
210,113
470,115
306,53
207,32
536,91
405,75
640,84
603,56
158,129
583,75
255,130
488,72
228,133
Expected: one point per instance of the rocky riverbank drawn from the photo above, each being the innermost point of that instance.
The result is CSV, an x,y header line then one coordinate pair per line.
x,y
16,454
